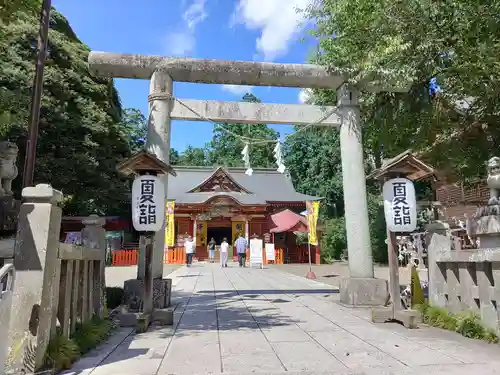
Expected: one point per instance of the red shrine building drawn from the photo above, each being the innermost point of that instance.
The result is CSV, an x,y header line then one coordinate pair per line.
x,y
225,202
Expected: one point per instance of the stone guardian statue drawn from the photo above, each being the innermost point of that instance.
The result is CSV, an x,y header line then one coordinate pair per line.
x,y
8,167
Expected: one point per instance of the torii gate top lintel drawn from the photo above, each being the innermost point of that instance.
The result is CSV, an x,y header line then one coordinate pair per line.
x,y
251,73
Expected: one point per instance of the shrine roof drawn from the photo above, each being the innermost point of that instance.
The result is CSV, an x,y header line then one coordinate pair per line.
x,y
265,185
286,221
405,163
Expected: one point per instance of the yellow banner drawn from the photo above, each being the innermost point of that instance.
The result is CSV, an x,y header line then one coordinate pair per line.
x,y
238,228
170,225
312,220
201,233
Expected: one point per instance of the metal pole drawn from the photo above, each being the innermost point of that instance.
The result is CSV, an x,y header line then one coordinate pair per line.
x,y
309,250
30,156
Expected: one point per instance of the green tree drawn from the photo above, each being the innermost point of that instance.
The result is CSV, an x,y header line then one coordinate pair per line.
x,y
226,145
174,156
455,42
9,8
193,156
312,158
134,126
80,137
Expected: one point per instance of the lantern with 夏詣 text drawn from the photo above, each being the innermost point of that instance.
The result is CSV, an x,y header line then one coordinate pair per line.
x,y
148,203
400,206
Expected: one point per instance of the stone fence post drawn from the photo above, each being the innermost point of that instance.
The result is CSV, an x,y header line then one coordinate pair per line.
x,y
37,269
94,237
439,244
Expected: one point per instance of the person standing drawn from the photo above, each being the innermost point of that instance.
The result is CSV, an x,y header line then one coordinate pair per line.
x,y
224,250
241,249
211,250
190,248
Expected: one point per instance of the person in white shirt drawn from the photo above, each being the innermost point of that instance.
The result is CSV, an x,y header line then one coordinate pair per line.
x,y
190,248
224,250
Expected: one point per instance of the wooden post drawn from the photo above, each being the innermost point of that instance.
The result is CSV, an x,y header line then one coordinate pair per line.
x,y
148,279
394,288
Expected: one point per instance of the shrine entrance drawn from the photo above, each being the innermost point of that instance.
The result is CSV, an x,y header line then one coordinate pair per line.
x,y
219,233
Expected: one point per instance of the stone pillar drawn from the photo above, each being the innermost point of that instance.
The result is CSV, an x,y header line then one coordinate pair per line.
x,y
158,143
361,288
195,223
37,272
94,237
438,243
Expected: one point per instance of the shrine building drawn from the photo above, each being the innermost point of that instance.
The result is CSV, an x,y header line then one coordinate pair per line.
x,y
224,202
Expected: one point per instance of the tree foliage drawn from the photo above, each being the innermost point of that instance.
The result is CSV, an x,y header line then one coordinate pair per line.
x,y
9,8
134,128
80,135
456,42
225,147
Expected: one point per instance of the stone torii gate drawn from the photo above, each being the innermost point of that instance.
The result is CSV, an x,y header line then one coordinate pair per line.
x,y
361,288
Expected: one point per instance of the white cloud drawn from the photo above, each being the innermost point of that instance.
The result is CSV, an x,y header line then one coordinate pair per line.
x,y
304,96
237,89
195,13
182,43
278,21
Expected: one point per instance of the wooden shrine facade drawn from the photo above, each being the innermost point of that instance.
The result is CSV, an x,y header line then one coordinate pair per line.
x,y
225,202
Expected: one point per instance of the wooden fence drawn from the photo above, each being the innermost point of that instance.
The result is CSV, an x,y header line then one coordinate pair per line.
x,y
172,256
278,254
81,288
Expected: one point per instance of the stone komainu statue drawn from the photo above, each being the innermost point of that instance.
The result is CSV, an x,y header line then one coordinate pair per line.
x,y
8,167
493,182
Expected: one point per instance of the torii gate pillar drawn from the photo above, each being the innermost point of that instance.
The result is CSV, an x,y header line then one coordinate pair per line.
x,y
158,143
361,288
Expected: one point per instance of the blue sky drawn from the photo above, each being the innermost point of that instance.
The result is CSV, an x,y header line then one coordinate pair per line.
x,y
267,30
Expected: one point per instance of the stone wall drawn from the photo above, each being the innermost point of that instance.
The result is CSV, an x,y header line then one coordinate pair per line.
x,y
463,280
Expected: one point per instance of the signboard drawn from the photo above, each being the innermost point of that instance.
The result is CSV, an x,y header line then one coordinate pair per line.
x,y
256,246
270,252
312,220
148,204
400,205
170,225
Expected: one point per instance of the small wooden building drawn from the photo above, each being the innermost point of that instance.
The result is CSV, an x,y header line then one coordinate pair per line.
x,y
225,202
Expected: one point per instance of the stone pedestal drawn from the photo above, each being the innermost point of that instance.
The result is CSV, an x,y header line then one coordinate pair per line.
x,y
162,289
487,229
359,291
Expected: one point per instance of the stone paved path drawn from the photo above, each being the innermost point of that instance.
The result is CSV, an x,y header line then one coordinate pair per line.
x,y
242,321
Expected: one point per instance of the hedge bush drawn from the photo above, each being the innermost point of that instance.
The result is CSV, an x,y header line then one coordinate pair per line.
x,y
466,323
62,352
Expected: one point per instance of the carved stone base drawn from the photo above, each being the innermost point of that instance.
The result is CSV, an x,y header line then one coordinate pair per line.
x,y
358,291
128,319
164,317
143,322
162,291
409,318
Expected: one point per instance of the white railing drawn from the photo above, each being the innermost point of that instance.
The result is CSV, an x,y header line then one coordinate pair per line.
x,y
6,288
